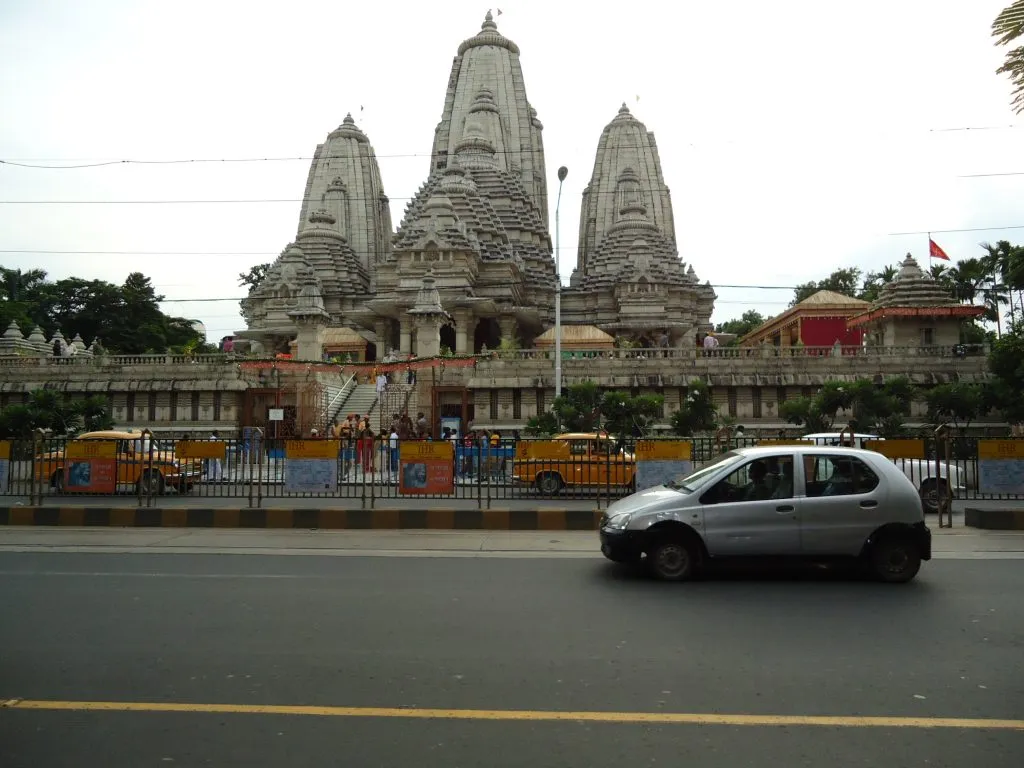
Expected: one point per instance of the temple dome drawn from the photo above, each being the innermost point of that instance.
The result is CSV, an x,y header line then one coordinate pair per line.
x,y
487,84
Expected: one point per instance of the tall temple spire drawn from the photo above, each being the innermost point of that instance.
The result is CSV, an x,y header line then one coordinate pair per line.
x,y
627,163
344,180
487,77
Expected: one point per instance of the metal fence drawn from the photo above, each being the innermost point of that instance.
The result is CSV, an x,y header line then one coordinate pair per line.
x,y
370,471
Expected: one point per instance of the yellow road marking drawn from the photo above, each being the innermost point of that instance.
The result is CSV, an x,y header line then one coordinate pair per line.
x,y
662,718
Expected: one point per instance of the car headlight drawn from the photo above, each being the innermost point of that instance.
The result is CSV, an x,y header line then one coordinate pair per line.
x,y
619,522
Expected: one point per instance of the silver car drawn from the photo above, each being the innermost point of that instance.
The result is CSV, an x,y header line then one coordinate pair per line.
x,y
815,502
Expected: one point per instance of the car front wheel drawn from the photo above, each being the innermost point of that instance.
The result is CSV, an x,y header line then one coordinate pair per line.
x,y
549,483
672,559
932,493
895,560
151,484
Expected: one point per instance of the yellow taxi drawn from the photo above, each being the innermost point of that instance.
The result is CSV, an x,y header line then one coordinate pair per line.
x,y
573,459
133,466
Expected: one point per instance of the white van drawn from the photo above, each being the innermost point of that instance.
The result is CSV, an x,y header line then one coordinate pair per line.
x,y
929,479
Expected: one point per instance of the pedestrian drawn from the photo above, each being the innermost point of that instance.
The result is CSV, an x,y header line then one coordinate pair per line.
x,y
367,444
393,446
216,468
357,439
421,425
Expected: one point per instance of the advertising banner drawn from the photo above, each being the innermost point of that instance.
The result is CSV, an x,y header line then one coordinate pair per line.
x,y
1001,466
659,461
426,468
90,466
897,449
311,466
5,464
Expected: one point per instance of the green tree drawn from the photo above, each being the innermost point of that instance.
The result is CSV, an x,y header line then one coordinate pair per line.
x,y
872,406
55,412
697,413
542,425
1006,362
845,281
874,282
1007,27
747,322
626,415
1007,266
806,412
254,276
578,408
955,402
127,317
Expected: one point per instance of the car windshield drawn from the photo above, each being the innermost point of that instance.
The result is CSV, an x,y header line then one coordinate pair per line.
x,y
695,479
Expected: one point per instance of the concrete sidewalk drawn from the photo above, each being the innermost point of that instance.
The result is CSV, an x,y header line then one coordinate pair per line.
x,y
947,544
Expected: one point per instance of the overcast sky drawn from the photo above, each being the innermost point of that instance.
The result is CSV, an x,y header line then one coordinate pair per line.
x,y
796,136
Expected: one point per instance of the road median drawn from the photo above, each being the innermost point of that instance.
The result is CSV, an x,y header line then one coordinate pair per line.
x,y
381,518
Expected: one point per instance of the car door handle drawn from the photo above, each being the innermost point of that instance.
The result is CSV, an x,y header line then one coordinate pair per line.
x,y
868,504
785,508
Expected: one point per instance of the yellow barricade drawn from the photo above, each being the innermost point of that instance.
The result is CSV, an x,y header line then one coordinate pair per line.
x,y
311,449
91,449
664,450
426,450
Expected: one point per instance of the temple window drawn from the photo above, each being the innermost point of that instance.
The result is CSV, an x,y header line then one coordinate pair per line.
x,y
927,336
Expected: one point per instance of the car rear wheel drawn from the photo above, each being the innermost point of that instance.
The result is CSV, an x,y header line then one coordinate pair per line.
x,y
932,493
672,559
895,560
549,483
151,483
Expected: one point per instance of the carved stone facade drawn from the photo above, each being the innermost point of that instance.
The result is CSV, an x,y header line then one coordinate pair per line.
x,y
629,280
914,309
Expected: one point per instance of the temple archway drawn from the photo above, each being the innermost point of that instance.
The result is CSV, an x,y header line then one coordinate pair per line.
x,y
448,338
488,333
371,352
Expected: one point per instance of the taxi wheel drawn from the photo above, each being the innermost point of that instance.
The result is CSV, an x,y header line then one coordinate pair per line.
x,y
932,491
151,483
549,483
895,560
672,559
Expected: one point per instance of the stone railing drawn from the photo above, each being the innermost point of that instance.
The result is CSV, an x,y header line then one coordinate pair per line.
x,y
115,361
733,353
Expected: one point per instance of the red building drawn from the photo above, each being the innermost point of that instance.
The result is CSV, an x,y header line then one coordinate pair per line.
x,y
820,320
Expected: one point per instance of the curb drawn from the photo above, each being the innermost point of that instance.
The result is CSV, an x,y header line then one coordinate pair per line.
x,y
995,519
329,519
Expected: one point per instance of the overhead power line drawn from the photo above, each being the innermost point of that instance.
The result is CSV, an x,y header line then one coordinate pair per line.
x,y
80,163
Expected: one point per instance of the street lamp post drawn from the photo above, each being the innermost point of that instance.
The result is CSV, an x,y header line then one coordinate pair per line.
x,y
562,173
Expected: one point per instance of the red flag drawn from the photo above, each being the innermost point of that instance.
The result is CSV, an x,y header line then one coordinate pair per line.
x,y
935,252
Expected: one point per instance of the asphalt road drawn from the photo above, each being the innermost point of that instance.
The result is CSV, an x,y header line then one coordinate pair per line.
x,y
498,645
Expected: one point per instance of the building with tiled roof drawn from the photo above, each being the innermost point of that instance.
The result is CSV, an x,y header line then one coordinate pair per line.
x,y
914,309
820,320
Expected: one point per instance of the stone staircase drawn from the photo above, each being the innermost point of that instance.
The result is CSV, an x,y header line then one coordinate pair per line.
x,y
335,397
396,399
361,400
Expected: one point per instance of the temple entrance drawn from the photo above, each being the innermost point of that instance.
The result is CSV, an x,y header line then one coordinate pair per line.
x,y
488,333
371,352
447,339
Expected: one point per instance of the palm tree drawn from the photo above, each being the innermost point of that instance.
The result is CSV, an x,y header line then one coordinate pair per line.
x,y
1008,26
15,284
1007,266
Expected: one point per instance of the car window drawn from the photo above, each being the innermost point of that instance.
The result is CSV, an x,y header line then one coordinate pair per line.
x,y
838,476
579,447
764,478
693,480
